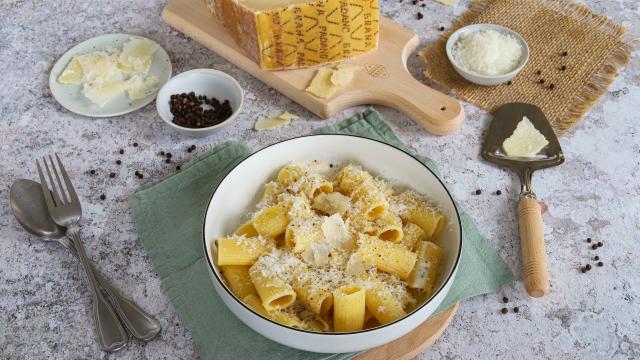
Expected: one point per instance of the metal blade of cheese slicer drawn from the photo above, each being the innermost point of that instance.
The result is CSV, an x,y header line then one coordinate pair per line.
x,y
506,118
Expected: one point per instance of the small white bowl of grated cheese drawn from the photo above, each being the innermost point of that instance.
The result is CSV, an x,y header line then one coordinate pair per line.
x,y
487,54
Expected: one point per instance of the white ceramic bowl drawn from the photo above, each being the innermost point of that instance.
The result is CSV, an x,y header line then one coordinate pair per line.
x,y
209,82
240,190
486,80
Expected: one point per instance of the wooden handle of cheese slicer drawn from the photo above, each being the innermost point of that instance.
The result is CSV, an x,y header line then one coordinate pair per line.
x,y
534,258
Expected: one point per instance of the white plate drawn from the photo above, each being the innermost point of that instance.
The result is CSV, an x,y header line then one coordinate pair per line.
x,y
239,191
71,97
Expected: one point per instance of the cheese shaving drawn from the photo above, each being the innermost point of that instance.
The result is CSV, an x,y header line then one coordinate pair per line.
x,y
271,123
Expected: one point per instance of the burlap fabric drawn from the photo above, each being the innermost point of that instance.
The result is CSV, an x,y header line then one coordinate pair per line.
x,y
561,35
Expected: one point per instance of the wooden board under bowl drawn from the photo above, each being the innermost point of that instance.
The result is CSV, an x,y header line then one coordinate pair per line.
x,y
383,80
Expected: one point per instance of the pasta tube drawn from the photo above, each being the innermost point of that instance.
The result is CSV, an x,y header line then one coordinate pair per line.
x,y
382,304
240,250
237,278
272,221
317,300
413,234
348,308
386,256
247,229
274,293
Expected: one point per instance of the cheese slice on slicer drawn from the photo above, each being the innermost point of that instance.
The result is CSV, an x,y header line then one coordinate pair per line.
x,y
291,34
526,140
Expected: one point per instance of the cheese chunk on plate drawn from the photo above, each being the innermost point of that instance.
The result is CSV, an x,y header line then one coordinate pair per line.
x,y
292,34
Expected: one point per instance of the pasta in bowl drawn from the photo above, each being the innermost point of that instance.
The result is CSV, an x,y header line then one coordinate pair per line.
x,y
337,250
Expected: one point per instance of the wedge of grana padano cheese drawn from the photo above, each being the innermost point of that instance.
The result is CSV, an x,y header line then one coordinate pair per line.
x,y
291,34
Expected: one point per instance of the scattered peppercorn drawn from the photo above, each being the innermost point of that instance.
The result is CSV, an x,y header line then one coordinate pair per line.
x,y
584,270
92,172
541,81
600,244
596,258
189,149
594,246
415,2
509,82
551,86
423,5
193,146
588,240
498,192
564,53
137,173
588,267
504,311
505,299
516,309
539,72
140,176
563,67
162,153
600,263
167,160
135,144
478,192
419,15
121,151
103,196
169,155
188,112
441,28
112,175
118,162
178,167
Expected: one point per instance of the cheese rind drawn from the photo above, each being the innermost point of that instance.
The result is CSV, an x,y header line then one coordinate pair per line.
x,y
296,34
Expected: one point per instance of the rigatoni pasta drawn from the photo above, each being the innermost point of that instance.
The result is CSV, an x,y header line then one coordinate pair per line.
x,y
333,249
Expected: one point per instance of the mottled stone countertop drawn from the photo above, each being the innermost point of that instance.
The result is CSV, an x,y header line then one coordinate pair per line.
x,y
44,299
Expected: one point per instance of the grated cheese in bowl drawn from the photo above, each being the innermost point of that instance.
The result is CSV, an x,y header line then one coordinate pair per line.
x,y
487,52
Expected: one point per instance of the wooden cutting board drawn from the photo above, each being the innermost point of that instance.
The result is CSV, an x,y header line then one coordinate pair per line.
x,y
415,342
383,80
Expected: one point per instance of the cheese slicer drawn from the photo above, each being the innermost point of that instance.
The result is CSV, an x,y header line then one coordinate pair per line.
x,y
505,121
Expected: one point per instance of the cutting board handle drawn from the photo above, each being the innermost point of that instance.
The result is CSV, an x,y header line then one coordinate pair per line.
x,y
438,113
534,258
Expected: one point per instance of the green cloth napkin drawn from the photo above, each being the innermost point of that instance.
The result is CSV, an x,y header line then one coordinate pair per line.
x,y
168,217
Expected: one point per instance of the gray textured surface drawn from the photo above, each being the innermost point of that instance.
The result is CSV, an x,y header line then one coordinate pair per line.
x,y
44,300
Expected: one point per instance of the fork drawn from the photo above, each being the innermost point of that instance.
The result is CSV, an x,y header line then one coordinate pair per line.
x,y
64,208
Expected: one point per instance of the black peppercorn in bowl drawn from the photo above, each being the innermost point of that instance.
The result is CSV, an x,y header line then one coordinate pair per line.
x,y
199,102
